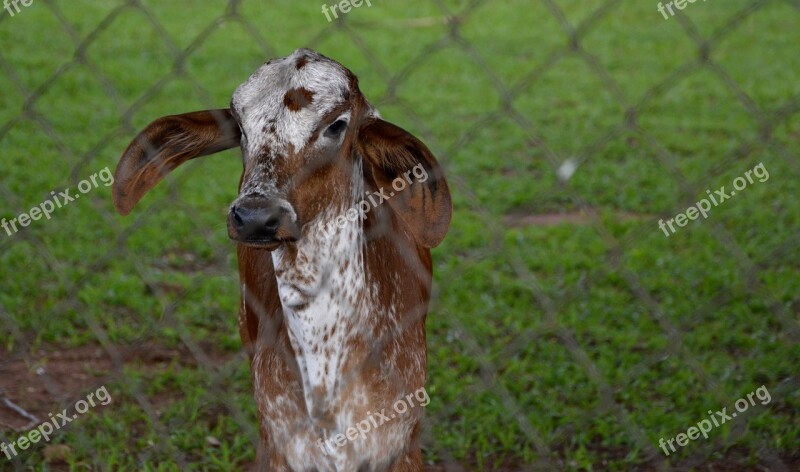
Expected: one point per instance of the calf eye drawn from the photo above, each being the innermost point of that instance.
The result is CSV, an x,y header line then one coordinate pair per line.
x,y
336,128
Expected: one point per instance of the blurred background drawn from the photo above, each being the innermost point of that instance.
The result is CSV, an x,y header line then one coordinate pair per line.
x,y
566,331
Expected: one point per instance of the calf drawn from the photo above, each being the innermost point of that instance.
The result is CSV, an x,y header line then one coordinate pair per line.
x,y
336,214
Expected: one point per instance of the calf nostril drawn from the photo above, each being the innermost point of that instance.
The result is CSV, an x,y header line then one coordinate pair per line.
x,y
237,218
272,222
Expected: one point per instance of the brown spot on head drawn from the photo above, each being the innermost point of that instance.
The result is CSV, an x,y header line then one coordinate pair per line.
x,y
301,62
297,99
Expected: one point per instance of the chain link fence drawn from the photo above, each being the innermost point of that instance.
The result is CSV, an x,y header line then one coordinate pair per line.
x,y
41,373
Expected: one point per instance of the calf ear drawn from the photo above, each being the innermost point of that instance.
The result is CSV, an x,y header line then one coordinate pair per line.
x,y
399,163
164,145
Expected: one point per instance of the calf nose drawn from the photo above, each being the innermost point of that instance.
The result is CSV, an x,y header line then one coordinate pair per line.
x,y
257,221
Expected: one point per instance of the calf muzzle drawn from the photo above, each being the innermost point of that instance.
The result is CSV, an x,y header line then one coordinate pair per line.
x,y
262,223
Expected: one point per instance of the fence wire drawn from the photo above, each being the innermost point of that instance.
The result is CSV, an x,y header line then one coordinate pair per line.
x,y
24,348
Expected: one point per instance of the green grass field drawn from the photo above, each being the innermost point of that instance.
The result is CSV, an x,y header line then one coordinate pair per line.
x,y
566,331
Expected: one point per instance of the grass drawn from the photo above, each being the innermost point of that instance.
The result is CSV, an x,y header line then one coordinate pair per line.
x,y
572,346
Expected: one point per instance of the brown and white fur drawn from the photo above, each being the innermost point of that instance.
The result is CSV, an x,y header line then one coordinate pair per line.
x,y
334,321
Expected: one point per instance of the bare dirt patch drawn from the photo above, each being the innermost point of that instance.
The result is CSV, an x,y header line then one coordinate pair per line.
x,y
39,382
579,217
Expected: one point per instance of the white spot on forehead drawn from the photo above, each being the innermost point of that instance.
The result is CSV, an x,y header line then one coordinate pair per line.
x,y
260,100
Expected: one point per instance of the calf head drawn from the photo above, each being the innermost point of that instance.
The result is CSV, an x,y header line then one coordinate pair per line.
x,y
308,138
